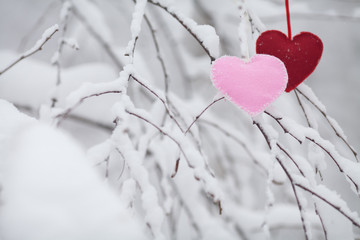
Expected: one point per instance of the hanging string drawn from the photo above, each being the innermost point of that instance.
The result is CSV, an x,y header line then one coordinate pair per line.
x,y
288,18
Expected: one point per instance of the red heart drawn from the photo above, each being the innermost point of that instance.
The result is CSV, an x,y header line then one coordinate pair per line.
x,y
300,55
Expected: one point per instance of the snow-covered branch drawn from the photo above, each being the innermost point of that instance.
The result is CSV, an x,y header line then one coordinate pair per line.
x,y
46,36
204,35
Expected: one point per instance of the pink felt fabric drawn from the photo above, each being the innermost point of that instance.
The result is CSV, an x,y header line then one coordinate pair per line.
x,y
252,86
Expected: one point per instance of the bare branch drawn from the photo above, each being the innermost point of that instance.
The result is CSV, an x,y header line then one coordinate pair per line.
x,y
202,112
237,140
153,92
159,56
48,11
37,47
62,116
278,120
303,108
98,37
184,24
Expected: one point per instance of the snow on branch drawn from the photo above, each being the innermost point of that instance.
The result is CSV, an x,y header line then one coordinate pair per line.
x,y
154,213
299,132
92,27
309,95
205,35
46,36
159,55
203,111
329,197
157,94
55,60
271,140
191,155
135,26
89,90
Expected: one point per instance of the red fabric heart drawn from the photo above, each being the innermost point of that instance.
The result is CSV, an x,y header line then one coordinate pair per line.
x,y
300,54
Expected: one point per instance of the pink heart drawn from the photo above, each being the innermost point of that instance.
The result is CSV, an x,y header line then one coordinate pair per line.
x,y
254,85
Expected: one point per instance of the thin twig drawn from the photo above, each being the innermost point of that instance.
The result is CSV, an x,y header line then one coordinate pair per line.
x,y
337,164
172,116
33,50
268,141
236,139
74,117
178,18
302,173
330,123
316,141
278,120
303,109
159,56
58,53
98,37
202,112
153,92
62,116
179,145
355,223
38,23
187,210
177,54
176,168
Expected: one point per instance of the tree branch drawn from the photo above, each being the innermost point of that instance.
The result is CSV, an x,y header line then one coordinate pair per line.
x,y
184,24
330,123
202,112
46,36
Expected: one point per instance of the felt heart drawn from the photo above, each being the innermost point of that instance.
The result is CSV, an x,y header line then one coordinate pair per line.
x,y
300,55
253,85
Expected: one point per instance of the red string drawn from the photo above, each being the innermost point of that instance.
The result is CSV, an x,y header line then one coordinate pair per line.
x,y
288,18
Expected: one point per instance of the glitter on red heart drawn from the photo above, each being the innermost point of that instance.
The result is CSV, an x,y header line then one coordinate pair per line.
x,y
300,55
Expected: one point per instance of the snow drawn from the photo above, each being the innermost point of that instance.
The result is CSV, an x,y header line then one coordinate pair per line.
x,y
317,157
44,37
135,26
64,13
91,89
154,213
311,95
72,43
331,197
124,179
11,118
243,32
128,192
55,57
207,36
47,181
350,168
337,127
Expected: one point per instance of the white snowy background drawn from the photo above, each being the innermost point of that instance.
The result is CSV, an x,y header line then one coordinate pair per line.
x,y
83,177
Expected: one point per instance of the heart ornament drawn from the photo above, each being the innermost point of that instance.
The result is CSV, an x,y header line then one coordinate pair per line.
x,y
301,54
252,85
